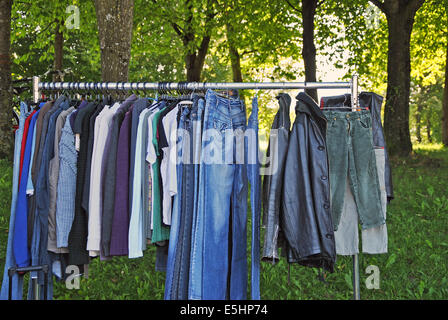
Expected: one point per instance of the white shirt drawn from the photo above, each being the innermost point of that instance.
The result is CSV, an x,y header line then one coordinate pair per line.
x,y
102,124
168,164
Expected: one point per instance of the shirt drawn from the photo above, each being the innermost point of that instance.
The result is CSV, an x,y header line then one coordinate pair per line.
x,y
25,137
53,173
109,175
20,241
168,163
160,232
40,241
65,199
136,220
139,106
77,244
120,223
103,123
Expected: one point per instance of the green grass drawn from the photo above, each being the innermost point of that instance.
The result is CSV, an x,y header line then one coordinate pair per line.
x,y
414,268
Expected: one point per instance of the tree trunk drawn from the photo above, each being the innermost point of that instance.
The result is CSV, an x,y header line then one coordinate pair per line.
x,y
6,133
445,96
115,20
428,130
58,52
234,55
195,60
400,19
309,49
418,119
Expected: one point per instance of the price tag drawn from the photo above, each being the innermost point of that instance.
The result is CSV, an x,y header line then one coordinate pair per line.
x,y
77,141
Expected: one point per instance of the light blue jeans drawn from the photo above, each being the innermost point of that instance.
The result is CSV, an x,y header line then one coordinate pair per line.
x,y
17,281
218,268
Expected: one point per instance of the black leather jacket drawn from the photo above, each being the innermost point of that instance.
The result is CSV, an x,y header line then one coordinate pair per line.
x,y
306,215
273,179
374,102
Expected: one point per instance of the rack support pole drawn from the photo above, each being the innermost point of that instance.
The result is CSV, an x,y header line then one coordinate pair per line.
x,y
36,93
354,96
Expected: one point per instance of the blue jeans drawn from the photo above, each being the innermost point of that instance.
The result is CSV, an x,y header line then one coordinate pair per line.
x,y
17,281
171,281
191,183
189,135
253,174
218,267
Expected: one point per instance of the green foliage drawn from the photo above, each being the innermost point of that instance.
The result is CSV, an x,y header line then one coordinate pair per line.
x,y
32,39
426,108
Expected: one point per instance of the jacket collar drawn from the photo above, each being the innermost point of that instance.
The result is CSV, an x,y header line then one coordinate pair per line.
x,y
284,100
306,104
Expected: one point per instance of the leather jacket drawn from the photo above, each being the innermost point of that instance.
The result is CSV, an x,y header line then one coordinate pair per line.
x,y
374,102
306,219
273,179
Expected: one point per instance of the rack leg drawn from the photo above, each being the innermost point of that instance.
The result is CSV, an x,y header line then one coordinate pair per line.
x,y
35,286
356,294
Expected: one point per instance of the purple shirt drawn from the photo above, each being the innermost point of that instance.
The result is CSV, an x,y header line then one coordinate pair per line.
x,y
120,223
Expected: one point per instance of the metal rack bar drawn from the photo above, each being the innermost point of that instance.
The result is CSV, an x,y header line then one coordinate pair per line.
x,y
126,86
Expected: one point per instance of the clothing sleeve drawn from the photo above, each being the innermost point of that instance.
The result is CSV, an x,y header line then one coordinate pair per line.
x,y
172,153
135,223
29,184
151,155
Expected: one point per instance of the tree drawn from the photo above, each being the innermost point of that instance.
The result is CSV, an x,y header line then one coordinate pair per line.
x,y
115,22
308,11
40,42
6,136
400,19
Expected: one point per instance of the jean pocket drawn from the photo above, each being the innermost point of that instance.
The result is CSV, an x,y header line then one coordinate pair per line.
x,y
220,126
366,123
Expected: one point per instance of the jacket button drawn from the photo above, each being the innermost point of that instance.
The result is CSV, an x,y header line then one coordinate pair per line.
x,y
321,148
328,236
324,177
326,206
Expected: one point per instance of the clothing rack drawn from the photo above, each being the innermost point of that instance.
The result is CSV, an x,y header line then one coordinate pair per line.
x,y
201,86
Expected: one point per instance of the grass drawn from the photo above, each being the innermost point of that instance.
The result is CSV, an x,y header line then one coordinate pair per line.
x,y
414,268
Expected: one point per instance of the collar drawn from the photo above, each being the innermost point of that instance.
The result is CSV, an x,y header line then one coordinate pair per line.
x,y
306,104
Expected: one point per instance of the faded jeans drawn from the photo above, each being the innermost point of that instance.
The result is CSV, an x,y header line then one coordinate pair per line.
x,y
351,152
374,240
218,268
189,133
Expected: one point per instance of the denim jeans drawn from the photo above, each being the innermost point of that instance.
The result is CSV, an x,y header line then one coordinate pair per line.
x,y
253,174
171,281
351,152
189,136
218,267
374,240
17,281
190,185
